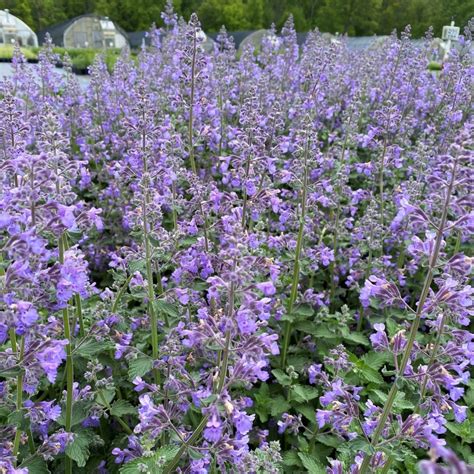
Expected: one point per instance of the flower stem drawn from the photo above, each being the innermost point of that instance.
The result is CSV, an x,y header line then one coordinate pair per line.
x,y
415,325
69,362
296,267
433,355
191,105
120,294
19,388
78,316
335,241
150,289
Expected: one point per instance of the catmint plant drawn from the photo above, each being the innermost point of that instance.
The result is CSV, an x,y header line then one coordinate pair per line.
x,y
255,259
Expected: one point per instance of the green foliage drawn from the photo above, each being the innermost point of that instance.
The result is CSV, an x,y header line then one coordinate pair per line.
x,y
6,52
153,464
311,465
79,449
122,407
140,366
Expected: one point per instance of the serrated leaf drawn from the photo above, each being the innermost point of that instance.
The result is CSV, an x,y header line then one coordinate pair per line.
x,y
303,310
136,266
36,465
18,418
195,454
298,362
122,407
312,466
357,337
78,450
139,367
400,402
91,347
375,360
13,372
105,396
370,375
309,327
283,379
307,411
464,430
154,464
290,458
80,411
469,397
262,402
163,306
279,405
303,393
329,440
360,444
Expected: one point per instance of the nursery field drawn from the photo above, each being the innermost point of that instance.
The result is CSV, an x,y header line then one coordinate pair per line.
x,y
253,263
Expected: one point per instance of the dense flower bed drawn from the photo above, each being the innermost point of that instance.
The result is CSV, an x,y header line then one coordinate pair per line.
x,y
249,265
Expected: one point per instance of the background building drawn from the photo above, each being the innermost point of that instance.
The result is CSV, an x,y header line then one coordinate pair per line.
x,y
13,29
87,31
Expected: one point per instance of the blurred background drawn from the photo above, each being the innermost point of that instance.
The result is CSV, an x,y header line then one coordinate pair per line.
x,y
354,17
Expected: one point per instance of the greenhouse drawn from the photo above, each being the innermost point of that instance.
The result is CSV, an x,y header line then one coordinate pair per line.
x,y
87,31
12,30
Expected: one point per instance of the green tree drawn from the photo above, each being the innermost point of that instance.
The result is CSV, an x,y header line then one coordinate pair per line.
x,y
354,17
19,8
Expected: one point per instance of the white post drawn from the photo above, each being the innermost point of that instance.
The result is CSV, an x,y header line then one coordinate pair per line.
x,y
450,34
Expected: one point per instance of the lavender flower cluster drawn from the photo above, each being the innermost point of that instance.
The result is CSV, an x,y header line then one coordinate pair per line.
x,y
218,262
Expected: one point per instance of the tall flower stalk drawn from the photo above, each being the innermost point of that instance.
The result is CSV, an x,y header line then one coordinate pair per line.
x,y
62,247
296,265
416,322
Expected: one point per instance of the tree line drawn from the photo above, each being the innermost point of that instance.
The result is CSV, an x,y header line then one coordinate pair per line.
x,y
354,17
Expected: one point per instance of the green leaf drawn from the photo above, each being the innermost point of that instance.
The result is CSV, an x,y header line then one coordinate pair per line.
x,y
329,440
307,411
291,458
136,266
92,347
469,397
163,306
283,379
278,405
298,362
154,464
400,403
370,375
13,372
18,418
303,310
464,430
78,450
375,360
122,407
139,367
262,402
357,337
303,393
309,327
312,466
195,454
80,411
360,444
36,465
105,396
